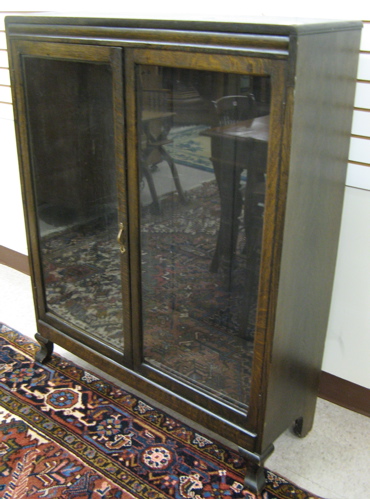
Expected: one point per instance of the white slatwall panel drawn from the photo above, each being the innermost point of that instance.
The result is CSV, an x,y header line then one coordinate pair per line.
x,y
4,63
358,174
364,66
347,345
362,99
5,94
359,151
365,40
6,113
4,77
6,110
2,40
361,123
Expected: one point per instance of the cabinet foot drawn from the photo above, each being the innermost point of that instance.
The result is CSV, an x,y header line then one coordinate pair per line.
x,y
46,350
255,480
302,426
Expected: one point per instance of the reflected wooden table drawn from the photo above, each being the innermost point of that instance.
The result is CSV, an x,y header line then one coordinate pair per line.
x,y
234,148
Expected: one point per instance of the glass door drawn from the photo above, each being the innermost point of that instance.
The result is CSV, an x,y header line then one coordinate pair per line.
x,y
202,155
74,111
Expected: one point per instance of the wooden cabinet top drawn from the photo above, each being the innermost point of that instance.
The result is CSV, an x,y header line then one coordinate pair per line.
x,y
253,25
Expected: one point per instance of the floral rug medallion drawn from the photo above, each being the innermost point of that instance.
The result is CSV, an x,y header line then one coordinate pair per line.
x,y
67,433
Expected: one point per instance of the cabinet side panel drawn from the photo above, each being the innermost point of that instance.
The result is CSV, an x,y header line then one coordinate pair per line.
x,y
323,105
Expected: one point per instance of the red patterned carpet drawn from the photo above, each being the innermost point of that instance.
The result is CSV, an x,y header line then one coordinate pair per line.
x,y
66,433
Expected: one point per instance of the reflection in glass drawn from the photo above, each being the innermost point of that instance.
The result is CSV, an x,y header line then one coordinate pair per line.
x,y
203,155
70,112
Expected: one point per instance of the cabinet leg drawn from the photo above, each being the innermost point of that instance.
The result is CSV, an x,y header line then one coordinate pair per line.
x,y
46,350
302,426
255,480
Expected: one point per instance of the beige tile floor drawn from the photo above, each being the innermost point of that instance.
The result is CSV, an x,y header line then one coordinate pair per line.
x,y
333,461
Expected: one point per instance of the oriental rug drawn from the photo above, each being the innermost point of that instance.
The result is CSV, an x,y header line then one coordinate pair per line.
x,y
67,433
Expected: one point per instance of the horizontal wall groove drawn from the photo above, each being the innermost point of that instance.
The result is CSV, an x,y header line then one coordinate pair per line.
x,y
365,137
358,163
362,109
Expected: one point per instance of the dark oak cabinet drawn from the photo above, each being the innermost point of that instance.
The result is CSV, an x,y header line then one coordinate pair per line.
x,y
183,187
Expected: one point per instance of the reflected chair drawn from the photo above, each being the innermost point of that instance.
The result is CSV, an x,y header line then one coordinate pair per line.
x,y
233,108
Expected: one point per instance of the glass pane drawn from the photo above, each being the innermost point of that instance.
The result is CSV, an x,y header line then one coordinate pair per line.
x,y
70,113
203,154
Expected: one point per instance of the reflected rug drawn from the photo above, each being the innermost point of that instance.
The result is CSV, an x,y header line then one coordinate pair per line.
x,y
67,433
201,327
190,148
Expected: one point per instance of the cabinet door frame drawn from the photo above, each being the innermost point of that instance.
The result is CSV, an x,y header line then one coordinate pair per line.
x,y
111,56
274,210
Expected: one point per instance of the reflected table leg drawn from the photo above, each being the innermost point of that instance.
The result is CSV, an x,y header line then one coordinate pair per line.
x,y
228,181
